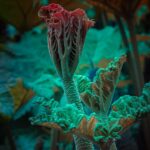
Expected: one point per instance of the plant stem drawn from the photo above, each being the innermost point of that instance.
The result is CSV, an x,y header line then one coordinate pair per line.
x,y
72,93
73,97
113,146
122,31
132,56
54,139
108,146
138,76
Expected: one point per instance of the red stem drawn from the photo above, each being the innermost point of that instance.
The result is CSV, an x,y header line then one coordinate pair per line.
x,y
134,58
132,55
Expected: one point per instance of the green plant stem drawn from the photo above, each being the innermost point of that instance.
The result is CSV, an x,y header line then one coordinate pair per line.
x,y
73,97
132,56
72,93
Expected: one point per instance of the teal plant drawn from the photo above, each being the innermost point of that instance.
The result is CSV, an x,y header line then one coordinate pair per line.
x,y
66,34
101,130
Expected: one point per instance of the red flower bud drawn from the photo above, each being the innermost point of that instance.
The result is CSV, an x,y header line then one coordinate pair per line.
x,y
66,34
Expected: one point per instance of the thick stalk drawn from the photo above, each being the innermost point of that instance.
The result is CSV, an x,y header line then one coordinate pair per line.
x,y
132,56
72,93
73,97
126,45
54,139
122,31
113,146
108,146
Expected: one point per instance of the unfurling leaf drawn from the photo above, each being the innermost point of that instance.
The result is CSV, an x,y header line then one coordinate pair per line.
x,y
98,94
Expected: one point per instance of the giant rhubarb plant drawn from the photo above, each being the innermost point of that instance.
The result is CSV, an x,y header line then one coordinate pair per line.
x,y
66,34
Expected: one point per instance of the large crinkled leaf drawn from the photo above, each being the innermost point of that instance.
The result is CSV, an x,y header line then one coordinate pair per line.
x,y
21,14
106,81
64,118
83,83
44,88
132,106
98,94
100,44
107,47
47,103
125,111
25,56
19,60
